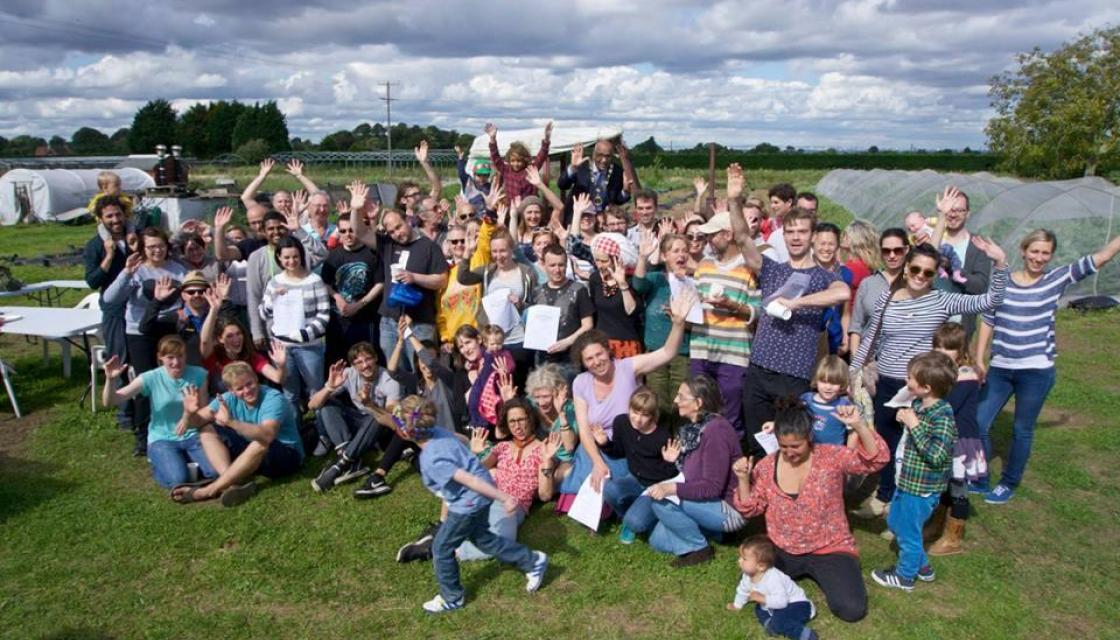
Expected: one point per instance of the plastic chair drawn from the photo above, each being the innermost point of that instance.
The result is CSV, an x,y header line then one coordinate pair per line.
x,y
6,372
96,354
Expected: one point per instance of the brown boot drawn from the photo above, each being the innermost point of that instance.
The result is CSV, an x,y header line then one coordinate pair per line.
x,y
935,525
950,541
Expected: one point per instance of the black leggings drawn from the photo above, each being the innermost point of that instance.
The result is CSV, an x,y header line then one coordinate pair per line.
x,y
142,357
956,499
837,574
397,446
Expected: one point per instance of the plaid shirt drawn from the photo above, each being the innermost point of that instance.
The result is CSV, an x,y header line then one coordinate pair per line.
x,y
514,182
927,456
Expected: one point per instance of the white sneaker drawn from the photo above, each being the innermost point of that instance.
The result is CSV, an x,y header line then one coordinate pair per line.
x,y
536,575
439,605
872,507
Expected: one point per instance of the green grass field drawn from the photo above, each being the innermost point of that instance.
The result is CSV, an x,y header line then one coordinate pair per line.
x,y
90,548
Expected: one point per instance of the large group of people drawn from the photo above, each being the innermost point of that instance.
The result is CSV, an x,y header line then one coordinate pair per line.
x,y
744,360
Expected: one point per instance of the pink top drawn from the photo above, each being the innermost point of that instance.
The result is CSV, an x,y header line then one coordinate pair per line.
x,y
516,477
603,412
813,521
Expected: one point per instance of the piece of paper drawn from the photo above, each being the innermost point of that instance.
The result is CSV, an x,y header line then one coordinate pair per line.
x,y
287,314
677,286
778,310
677,479
794,287
499,310
768,441
901,400
587,508
542,327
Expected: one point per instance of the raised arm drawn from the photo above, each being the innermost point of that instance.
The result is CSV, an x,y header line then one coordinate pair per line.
x,y
247,196
359,202
1106,253
546,142
630,182
739,227
533,176
435,188
111,396
222,251
679,308
295,168
962,303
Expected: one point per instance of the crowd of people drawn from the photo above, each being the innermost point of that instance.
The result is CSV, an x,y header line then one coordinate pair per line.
x,y
744,360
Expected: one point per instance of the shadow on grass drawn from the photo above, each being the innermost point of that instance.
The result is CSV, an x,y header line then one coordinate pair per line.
x,y
25,484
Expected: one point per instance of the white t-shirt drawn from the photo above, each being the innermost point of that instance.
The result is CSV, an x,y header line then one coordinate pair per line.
x,y
780,590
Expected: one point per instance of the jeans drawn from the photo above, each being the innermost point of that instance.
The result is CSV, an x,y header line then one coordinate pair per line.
x,y
664,381
887,426
502,524
624,495
680,527
475,527
304,372
169,458
342,422
387,340
729,377
788,621
908,514
1030,388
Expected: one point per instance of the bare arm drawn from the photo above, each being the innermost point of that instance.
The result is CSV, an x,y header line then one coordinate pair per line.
x,y
484,489
295,168
435,189
1107,253
739,227
255,184
836,293
647,362
359,201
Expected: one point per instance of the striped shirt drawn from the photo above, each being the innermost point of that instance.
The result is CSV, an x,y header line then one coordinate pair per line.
x,y
1023,325
908,325
316,306
725,336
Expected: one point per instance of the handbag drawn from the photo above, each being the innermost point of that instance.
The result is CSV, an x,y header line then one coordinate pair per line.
x,y
402,294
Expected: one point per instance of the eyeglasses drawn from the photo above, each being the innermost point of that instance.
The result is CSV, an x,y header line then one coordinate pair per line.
x,y
457,240
892,251
516,420
413,194
697,237
194,292
915,270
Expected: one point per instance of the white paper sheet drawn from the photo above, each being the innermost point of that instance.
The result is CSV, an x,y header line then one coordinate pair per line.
x,y
794,287
587,508
901,400
287,314
499,310
768,441
677,479
677,286
542,327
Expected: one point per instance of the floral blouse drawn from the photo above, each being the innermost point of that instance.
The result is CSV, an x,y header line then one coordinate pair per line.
x,y
516,477
813,521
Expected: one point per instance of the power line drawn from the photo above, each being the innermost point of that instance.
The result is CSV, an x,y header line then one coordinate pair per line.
x,y
388,99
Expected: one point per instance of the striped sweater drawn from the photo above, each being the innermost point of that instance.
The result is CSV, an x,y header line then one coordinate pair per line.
x,y
1023,325
908,325
725,337
316,306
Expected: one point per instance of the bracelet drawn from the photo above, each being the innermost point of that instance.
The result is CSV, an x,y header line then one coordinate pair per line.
x,y
547,471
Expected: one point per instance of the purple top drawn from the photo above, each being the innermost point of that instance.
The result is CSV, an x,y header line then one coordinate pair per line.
x,y
789,346
707,470
617,402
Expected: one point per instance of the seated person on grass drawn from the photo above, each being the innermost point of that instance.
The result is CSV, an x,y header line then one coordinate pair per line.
x,y
247,430
350,427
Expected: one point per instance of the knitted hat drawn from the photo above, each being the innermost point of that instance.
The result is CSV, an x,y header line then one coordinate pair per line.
x,y
526,202
616,245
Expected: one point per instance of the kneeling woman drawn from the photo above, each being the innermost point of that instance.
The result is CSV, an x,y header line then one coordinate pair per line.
x,y
172,443
800,488
701,503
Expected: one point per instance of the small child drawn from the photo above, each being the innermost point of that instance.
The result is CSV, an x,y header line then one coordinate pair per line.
x,y
783,609
450,471
493,338
830,381
921,232
109,184
922,464
969,462
512,168
497,367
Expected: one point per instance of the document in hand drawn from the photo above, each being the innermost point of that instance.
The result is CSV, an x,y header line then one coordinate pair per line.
x,y
542,327
499,309
287,314
587,508
677,479
794,287
677,286
901,400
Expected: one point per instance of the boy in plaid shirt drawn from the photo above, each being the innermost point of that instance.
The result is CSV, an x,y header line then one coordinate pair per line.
x,y
923,461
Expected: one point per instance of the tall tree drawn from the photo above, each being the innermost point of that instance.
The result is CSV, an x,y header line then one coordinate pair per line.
x,y
58,146
1058,113
88,141
220,124
24,145
193,134
153,124
119,140
272,127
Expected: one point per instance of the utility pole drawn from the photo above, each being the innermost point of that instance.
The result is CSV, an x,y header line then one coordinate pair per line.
x,y
389,99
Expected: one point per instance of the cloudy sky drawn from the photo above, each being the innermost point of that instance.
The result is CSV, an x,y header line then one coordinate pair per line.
x,y
812,73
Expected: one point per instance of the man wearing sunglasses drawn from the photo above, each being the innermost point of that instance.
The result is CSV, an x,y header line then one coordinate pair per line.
x,y
353,279
188,322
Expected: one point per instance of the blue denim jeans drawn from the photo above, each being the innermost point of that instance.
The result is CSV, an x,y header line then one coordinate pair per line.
x,y
908,514
502,524
624,495
475,527
680,527
789,621
169,459
387,339
1030,388
304,372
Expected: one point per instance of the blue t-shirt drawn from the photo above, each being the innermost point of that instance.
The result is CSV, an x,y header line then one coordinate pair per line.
x,y
271,405
440,458
827,429
166,394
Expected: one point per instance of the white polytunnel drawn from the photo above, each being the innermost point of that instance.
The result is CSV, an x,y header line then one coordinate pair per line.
x,y
49,195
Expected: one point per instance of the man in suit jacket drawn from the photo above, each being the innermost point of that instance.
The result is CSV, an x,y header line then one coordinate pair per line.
x,y
977,268
602,178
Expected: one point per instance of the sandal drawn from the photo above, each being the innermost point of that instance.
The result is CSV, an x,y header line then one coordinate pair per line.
x,y
238,494
184,494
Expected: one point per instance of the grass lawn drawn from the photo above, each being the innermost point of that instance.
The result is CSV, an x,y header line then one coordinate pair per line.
x,y
90,548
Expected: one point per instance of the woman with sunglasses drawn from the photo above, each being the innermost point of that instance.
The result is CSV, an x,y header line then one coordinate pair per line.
x,y
902,326
893,245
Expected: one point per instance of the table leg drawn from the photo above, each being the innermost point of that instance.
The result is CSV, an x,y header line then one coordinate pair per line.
x,y
65,359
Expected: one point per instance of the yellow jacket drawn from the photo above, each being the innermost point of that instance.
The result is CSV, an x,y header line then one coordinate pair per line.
x,y
458,304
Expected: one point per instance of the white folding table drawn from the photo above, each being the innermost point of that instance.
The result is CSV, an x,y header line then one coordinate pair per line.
x,y
60,324
48,293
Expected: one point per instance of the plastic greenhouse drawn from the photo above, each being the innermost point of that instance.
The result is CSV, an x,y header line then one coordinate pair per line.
x,y
1082,212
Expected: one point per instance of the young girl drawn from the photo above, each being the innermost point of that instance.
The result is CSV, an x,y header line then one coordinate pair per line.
x,y
830,381
969,462
484,369
783,608
512,167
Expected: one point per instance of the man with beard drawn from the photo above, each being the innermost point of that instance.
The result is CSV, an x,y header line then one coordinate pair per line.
x,y
104,261
352,277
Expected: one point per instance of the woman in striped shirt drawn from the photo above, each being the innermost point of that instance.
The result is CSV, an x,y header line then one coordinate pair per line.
x,y
305,341
1020,332
905,319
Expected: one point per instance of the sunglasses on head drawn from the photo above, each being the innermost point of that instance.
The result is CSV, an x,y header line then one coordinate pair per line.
x,y
915,270
892,251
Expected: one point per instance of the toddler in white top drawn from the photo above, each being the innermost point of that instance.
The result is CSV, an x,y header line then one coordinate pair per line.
x,y
782,607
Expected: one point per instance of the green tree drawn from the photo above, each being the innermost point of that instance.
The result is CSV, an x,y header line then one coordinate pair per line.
x,y
765,147
649,145
1058,113
23,146
58,146
88,141
193,126
222,119
253,151
119,140
247,127
272,127
152,125
337,141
